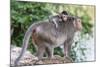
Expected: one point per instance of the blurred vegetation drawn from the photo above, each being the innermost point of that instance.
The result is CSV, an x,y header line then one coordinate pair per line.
x,y
23,14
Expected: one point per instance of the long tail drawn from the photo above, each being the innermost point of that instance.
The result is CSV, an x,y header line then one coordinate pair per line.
x,y
25,43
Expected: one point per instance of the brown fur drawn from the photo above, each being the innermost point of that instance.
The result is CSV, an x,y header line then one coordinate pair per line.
x,y
46,36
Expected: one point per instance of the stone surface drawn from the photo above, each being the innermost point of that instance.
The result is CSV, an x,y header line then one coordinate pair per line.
x,y
28,59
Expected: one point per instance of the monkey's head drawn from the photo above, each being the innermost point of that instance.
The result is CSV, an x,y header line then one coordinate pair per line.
x,y
76,21
63,15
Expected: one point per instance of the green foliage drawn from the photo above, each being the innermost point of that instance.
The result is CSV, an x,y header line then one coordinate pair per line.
x,y
83,48
23,14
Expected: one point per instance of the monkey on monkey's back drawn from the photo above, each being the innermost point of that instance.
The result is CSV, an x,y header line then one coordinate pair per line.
x,y
50,34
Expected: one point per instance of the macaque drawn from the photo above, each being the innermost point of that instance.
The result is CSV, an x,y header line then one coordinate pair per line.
x,y
47,35
54,20
58,18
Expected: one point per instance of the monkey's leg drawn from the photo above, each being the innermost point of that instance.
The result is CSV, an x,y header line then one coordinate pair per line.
x,y
40,47
50,51
67,47
40,51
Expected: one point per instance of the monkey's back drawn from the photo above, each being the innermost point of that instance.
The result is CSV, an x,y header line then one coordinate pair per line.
x,y
46,31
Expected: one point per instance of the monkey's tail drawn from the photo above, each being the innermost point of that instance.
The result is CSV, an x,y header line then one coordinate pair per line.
x,y
25,43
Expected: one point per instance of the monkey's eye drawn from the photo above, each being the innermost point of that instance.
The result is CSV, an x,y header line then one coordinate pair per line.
x,y
64,16
79,20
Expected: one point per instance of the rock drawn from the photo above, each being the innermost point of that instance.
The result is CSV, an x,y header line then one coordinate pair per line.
x,y
29,59
56,60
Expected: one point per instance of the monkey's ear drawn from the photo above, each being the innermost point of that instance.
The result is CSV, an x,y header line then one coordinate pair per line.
x,y
77,24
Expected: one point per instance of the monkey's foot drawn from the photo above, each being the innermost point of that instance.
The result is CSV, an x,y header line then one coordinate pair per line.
x,y
55,60
68,58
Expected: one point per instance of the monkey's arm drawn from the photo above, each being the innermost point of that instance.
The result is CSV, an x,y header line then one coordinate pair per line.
x,y
67,48
54,20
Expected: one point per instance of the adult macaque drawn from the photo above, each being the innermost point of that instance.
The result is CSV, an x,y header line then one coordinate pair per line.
x,y
46,35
